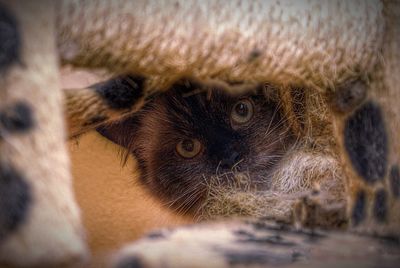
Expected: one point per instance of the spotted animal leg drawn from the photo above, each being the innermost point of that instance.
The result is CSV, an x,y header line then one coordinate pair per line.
x,y
88,108
367,116
39,218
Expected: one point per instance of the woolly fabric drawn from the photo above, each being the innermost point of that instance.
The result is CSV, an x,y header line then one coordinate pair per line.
x,y
291,42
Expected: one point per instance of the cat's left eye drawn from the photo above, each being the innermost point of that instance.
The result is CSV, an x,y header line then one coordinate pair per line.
x,y
242,111
188,148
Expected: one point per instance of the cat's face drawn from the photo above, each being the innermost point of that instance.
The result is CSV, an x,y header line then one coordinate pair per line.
x,y
185,140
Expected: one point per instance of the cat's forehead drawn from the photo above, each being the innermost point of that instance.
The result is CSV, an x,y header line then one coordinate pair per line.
x,y
199,106
205,99
213,93
188,107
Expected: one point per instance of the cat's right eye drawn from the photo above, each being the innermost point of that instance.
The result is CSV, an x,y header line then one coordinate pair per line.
x,y
242,112
188,148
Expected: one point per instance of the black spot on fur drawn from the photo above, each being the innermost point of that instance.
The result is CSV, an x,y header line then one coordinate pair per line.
x,y
262,225
122,92
380,205
259,257
241,232
15,199
95,120
156,235
131,262
273,239
349,95
10,41
358,212
246,258
366,142
310,235
254,54
395,181
16,118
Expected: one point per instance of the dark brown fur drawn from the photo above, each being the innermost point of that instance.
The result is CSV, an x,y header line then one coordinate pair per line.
x,y
190,110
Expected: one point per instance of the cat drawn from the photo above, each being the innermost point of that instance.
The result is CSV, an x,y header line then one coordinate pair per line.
x,y
194,135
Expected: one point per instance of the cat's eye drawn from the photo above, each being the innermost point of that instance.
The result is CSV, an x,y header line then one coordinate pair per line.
x,y
188,148
242,112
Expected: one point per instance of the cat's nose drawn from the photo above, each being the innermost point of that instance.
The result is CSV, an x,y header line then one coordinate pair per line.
x,y
230,160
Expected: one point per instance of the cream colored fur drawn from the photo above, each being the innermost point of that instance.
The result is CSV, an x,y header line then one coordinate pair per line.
x,y
53,231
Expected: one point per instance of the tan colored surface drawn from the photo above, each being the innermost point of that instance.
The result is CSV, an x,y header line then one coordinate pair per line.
x,y
291,42
116,208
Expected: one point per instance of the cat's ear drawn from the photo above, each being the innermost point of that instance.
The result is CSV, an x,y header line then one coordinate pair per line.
x,y
121,132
